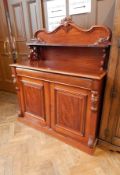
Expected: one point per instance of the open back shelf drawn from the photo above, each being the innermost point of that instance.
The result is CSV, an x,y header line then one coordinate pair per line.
x,y
81,50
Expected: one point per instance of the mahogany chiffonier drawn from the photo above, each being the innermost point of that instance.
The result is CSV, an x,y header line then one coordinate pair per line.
x,y
60,86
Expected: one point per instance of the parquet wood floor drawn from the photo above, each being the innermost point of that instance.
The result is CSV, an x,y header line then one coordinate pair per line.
x,y
26,151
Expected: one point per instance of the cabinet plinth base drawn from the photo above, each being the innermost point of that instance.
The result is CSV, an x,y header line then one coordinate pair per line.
x,y
51,132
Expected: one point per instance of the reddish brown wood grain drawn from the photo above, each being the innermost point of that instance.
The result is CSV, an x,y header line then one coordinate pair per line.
x,y
69,33
60,91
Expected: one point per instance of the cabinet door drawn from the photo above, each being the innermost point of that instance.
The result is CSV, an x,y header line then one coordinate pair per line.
x,y
35,100
5,53
26,19
70,111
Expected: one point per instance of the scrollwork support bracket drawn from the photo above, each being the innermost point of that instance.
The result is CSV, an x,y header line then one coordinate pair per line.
x,y
94,101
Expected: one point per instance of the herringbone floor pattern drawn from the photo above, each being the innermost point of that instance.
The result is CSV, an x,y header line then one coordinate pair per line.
x,y
26,151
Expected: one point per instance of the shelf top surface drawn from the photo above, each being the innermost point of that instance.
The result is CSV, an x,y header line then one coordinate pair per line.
x,y
37,43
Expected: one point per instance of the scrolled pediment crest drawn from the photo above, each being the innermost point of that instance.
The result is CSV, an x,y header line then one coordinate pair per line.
x,y
70,33
66,24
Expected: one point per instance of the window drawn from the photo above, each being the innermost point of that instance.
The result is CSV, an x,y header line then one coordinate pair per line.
x,y
79,6
56,10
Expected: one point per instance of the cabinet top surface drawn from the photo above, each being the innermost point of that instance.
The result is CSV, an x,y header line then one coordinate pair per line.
x,y
59,67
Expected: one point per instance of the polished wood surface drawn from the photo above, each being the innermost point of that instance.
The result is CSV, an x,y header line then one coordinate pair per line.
x,y
36,99
70,111
69,33
110,123
60,67
60,86
87,89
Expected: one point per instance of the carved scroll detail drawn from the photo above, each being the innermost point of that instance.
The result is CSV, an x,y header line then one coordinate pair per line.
x,y
66,21
94,101
98,35
66,24
34,53
104,40
15,82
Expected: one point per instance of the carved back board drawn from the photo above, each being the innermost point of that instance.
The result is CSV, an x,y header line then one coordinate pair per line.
x,y
69,33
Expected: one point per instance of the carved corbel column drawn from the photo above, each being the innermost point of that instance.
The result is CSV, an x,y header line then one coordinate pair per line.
x,y
94,101
94,115
15,81
34,53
